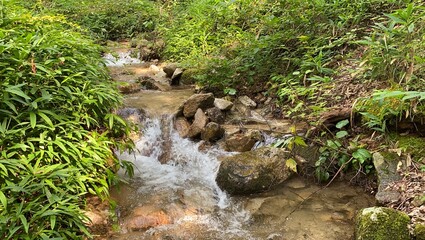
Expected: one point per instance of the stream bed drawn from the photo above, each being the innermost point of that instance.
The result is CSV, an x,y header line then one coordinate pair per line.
x,y
184,193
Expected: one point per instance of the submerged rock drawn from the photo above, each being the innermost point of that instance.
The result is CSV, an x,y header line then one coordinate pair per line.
x,y
202,101
144,218
381,223
254,171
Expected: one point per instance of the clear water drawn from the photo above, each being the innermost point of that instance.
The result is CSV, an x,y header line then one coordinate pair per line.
x,y
185,190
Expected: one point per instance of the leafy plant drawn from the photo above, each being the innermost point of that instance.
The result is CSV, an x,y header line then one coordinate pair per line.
x,y
57,135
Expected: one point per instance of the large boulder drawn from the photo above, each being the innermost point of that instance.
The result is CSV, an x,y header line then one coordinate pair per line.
x,y
198,124
254,171
212,132
202,101
381,223
169,69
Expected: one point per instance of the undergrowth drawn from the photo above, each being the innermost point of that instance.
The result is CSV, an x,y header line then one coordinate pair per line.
x,y
57,134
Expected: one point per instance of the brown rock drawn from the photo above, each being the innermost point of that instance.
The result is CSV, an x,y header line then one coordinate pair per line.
x,y
212,132
182,126
202,101
169,69
242,142
198,124
175,79
150,84
215,115
129,88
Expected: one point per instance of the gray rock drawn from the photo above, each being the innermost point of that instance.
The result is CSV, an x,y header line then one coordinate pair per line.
x,y
212,132
198,124
386,169
246,101
254,171
202,101
150,84
215,115
169,69
175,79
380,223
182,126
223,104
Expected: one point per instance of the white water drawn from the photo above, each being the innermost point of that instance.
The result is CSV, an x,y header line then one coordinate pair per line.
x,y
188,176
122,59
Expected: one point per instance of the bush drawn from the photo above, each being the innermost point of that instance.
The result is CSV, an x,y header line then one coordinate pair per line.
x,y
105,19
56,129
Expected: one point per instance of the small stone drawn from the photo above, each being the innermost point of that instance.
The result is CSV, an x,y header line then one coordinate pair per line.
x,y
223,104
246,101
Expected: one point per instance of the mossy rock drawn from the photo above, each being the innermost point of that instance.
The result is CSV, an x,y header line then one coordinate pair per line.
x,y
419,231
380,223
253,171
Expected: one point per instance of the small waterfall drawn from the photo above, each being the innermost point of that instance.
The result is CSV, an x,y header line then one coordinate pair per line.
x,y
186,178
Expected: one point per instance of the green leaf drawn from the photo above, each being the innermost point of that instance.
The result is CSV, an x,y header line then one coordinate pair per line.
x,y
24,222
362,155
52,221
33,120
291,164
3,200
342,124
299,141
341,134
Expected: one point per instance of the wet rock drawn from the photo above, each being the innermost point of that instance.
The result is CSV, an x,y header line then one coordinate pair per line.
x,y
128,88
254,171
202,101
132,115
212,132
380,223
223,104
242,142
247,102
215,115
144,218
169,69
150,84
198,124
175,79
386,169
182,126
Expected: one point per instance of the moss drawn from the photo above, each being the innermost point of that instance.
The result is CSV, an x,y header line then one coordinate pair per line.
x,y
419,232
410,144
379,223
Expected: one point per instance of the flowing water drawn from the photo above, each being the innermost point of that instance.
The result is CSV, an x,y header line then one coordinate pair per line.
x,y
184,190
181,200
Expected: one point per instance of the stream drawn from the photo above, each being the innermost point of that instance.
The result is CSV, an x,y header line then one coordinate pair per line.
x,y
181,200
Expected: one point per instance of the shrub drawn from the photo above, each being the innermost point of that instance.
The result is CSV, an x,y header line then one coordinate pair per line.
x,y
56,129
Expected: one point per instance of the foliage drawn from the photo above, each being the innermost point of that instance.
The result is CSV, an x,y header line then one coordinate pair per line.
x,y
56,129
105,19
242,44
